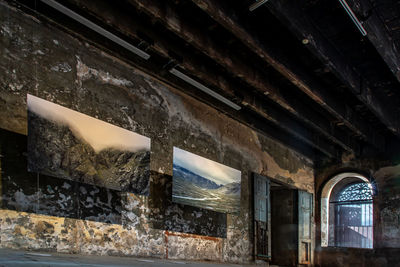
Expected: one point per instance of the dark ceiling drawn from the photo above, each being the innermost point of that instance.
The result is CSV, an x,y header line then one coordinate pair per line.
x,y
301,71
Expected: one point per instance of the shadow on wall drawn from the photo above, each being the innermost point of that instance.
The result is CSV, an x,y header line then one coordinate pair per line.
x,y
36,193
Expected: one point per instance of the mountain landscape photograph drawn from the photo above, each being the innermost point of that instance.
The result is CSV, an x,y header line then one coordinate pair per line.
x,y
67,144
204,183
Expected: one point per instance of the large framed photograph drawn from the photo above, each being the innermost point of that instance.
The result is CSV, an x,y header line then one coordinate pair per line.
x,y
204,183
67,144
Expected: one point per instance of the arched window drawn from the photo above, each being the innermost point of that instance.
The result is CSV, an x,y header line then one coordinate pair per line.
x,y
347,212
352,220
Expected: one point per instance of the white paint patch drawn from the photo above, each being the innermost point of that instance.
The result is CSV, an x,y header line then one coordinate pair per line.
x,y
24,200
15,87
198,214
5,30
62,67
66,186
38,52
84,73
132,124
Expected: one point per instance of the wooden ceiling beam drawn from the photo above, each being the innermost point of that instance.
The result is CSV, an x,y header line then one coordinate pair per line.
x,y
199,39
240,69
291,14
256,114
229,19
378,34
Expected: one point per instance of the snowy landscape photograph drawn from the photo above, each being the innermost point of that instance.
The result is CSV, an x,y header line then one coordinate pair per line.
x,y
204,183
68,144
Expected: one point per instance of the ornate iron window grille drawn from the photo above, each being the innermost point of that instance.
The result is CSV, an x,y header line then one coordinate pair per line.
x,y
356,192
353,216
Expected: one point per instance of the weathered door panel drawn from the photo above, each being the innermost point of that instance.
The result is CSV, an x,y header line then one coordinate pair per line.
x,y
305,227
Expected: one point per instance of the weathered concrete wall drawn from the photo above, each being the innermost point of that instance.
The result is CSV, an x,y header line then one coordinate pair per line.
x,y
385,177
44,61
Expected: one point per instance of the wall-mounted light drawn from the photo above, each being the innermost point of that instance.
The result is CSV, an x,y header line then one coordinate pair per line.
x,y
353,17
203,88
257,4
75,16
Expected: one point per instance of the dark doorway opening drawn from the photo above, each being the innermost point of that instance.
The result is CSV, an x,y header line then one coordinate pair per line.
x,y
282,222
284,225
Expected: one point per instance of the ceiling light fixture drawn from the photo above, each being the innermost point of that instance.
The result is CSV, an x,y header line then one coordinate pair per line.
x,y
353,17
75,16
257,4
203,88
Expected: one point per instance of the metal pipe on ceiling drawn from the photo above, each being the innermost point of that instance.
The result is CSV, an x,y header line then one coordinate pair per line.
x,y
257,4
353,17
93,26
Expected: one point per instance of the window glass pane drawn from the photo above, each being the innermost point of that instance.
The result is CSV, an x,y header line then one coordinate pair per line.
x,y
353,217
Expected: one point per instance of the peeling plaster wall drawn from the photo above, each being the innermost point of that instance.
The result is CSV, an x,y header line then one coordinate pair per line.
x,y
41,60
41,232
385,177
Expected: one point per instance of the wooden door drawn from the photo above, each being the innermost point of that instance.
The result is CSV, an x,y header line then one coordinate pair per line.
x,y
305,229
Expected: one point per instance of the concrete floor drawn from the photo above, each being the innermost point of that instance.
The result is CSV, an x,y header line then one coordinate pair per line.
x,y
28,258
